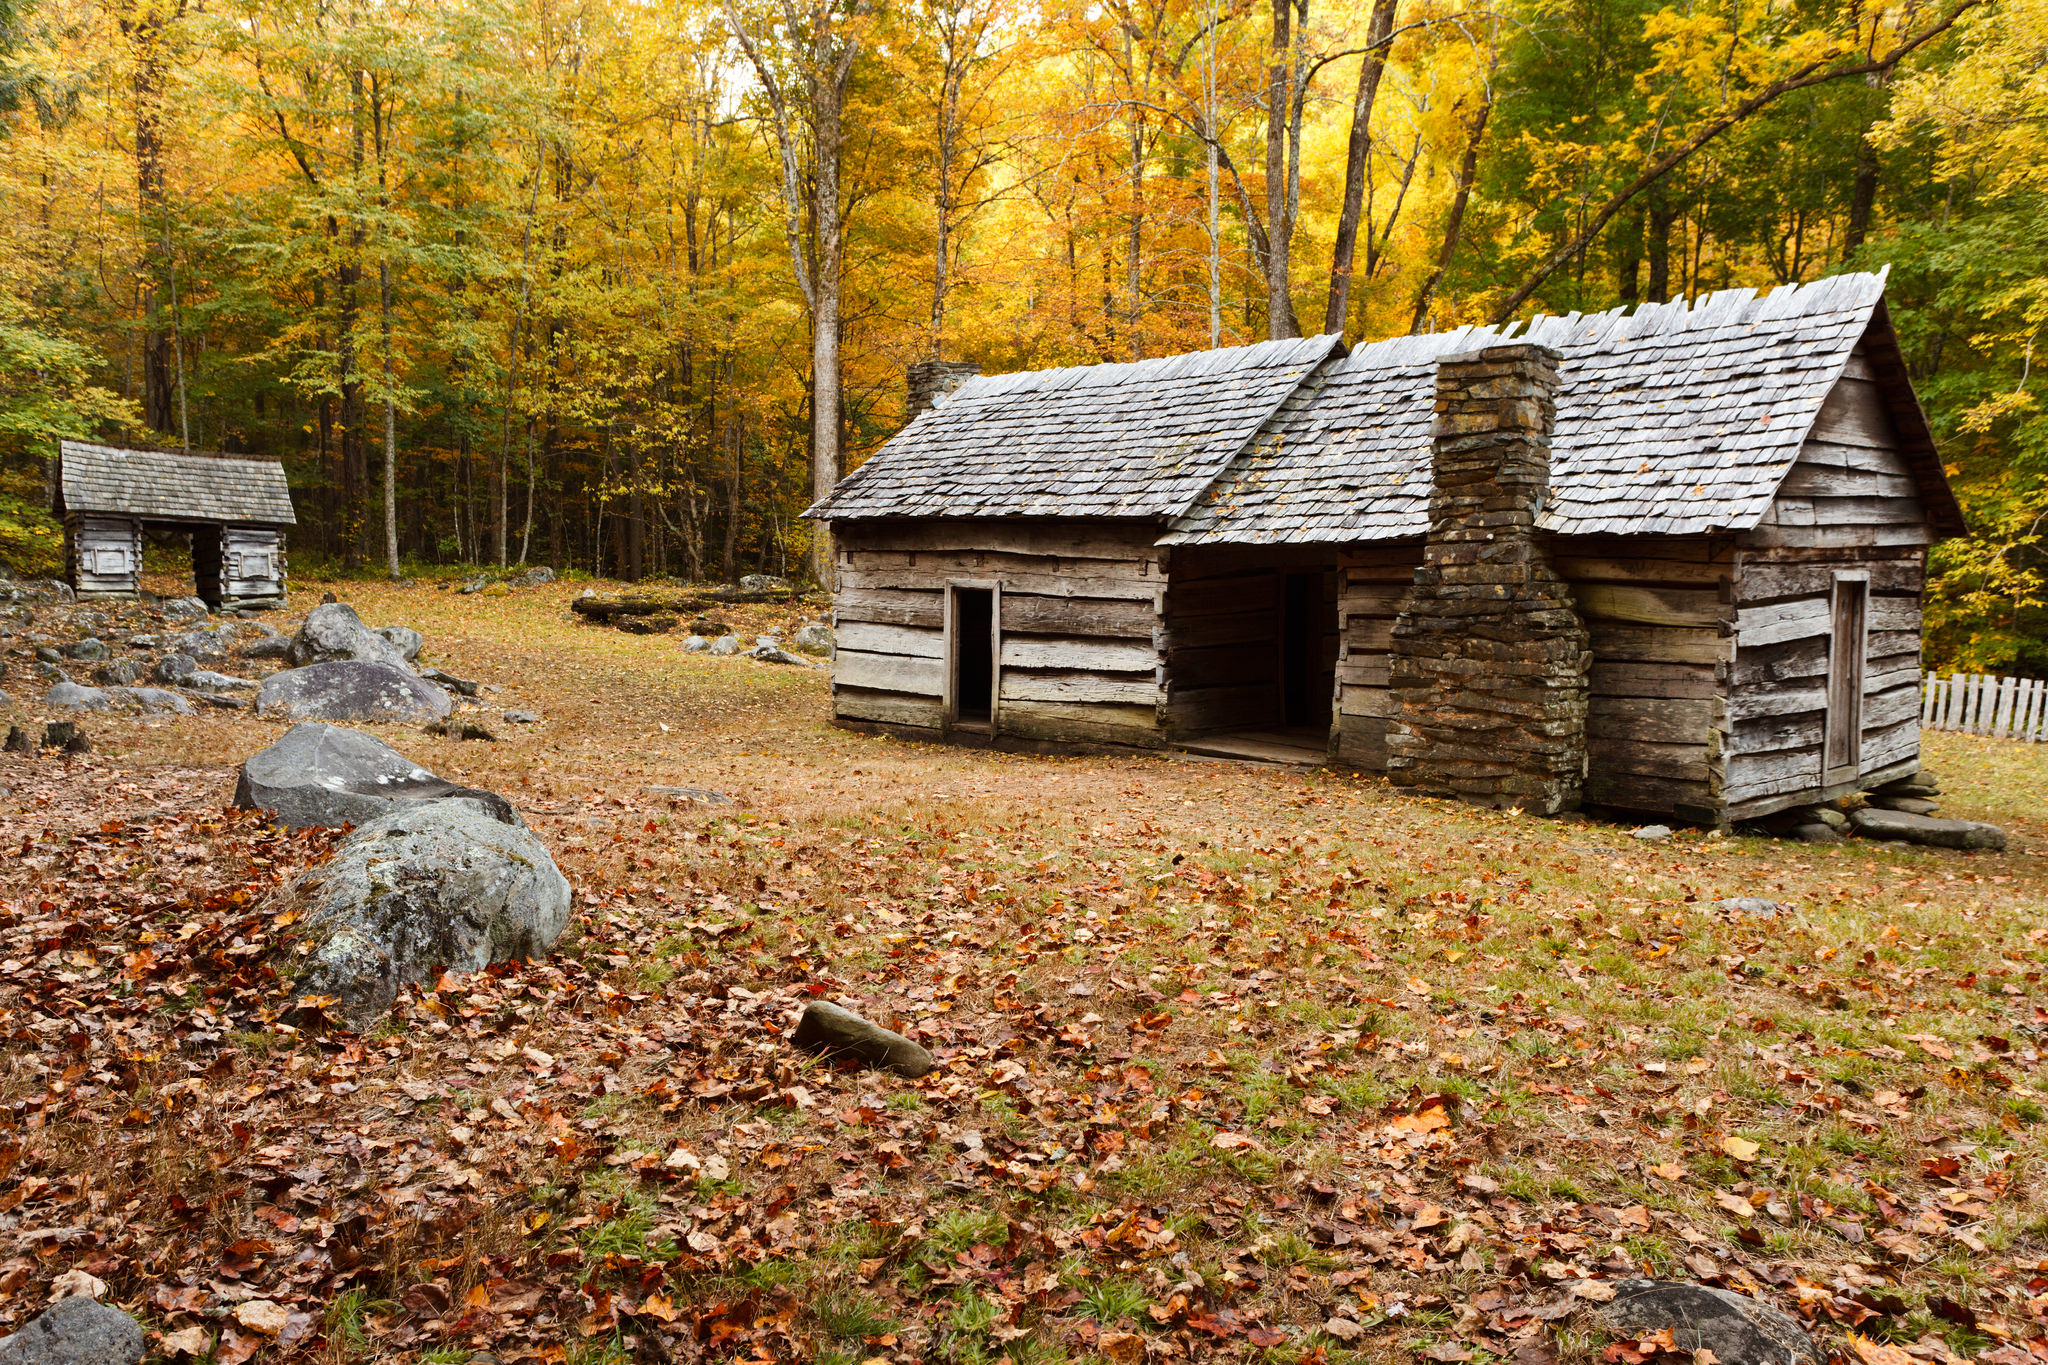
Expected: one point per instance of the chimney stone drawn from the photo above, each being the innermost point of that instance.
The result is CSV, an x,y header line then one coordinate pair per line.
x,y
1489,660
928,381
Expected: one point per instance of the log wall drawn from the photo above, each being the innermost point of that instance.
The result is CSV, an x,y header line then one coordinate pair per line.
x,y
104,555
1848,504
1372,579
1079,621
236,566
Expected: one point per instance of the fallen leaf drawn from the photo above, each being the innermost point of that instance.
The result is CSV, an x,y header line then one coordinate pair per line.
x,y
1742,1149
1225,1141
261,1315
187,1341
1343,1329
73,1282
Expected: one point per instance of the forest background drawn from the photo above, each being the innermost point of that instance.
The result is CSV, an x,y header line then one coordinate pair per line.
x,y
619,287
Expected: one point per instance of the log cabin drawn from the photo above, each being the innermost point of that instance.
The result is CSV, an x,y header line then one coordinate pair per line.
x,y
236,511
1667,560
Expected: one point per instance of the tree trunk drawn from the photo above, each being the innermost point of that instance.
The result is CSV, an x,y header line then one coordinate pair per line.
x,y
390,427
1282,71
146,28
1657,246
1862,197
1357,152
1628,266
1468,171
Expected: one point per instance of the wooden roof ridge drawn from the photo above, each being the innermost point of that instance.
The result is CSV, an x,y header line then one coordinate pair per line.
x,y
1256,355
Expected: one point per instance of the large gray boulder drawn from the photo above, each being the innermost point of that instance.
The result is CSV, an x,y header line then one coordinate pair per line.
x,y
436,886
154,700
333,631
1873,823
323,775
351,689
1738,1330
75,1331
174,668
204,644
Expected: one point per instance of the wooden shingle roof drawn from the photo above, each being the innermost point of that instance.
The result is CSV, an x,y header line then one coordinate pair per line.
x,y
1142,439
1675,419
156,485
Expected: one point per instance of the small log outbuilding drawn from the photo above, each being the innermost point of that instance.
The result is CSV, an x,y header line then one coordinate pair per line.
x,y
1668,561
235,509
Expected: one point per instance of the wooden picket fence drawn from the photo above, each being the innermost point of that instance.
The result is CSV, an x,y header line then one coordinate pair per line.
x,y
1977,704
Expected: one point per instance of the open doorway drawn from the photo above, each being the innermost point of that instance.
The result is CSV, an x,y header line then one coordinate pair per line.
x,y
971,646
1304,697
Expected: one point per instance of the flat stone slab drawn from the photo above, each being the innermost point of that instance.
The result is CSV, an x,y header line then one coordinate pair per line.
x,y
75,1331
1873,823
351,689
324,776
1738,1330
835,1031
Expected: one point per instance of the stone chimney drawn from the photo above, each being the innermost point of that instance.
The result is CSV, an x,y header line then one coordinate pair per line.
x,y
928,381
1488,671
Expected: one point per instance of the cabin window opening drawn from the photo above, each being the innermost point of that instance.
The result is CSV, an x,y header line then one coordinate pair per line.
x,y
973,651
1846,644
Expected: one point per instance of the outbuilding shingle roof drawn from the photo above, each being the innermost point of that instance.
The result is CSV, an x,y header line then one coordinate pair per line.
x,y
156,485
1142,439
1674,419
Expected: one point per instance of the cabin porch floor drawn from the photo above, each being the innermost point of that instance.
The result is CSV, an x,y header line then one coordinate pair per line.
x,y
1302,746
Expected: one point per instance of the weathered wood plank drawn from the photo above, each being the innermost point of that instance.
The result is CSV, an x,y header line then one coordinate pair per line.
x,y
1372,599
1644,791
1658,719
1361,741
1363,670
1821,481
1775,774
1885,709
1654,644
1773,582
1773,734
1368,634
1062,722
1761,701
1894,613
1078,687
854,703
1675,762
1367,701
1584,569
1855,414
1863,459
1840,537
889,673
1117,656
1025,613
1620,678
866,637
1076,538
1644,604
1779,622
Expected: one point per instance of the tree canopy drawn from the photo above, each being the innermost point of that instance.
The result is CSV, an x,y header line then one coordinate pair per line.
x,y
622,287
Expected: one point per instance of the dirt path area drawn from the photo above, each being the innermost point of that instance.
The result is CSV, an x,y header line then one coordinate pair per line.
x,y
1236,1063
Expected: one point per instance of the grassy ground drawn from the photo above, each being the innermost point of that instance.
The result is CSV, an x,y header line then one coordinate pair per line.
x,y
1235,1062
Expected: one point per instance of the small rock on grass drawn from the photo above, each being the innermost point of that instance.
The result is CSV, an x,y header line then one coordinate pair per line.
x,y
702,796
522,717
1753,907
1652,834
1815,833
1738,1330
833,1031
75,1331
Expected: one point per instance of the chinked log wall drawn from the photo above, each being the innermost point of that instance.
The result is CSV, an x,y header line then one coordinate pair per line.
x,y
1849,504
1080,624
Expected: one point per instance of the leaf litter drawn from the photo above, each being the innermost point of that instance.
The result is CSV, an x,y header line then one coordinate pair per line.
x,y
1232,1062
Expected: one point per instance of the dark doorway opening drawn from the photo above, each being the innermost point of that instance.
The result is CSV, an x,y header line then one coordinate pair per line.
x,y
1301,648
974,662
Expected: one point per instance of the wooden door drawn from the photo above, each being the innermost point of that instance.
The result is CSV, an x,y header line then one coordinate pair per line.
x,y
973,654
1842,755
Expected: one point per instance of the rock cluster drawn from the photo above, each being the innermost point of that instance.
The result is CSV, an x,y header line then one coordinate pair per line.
x,y
1489,661
1902,810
